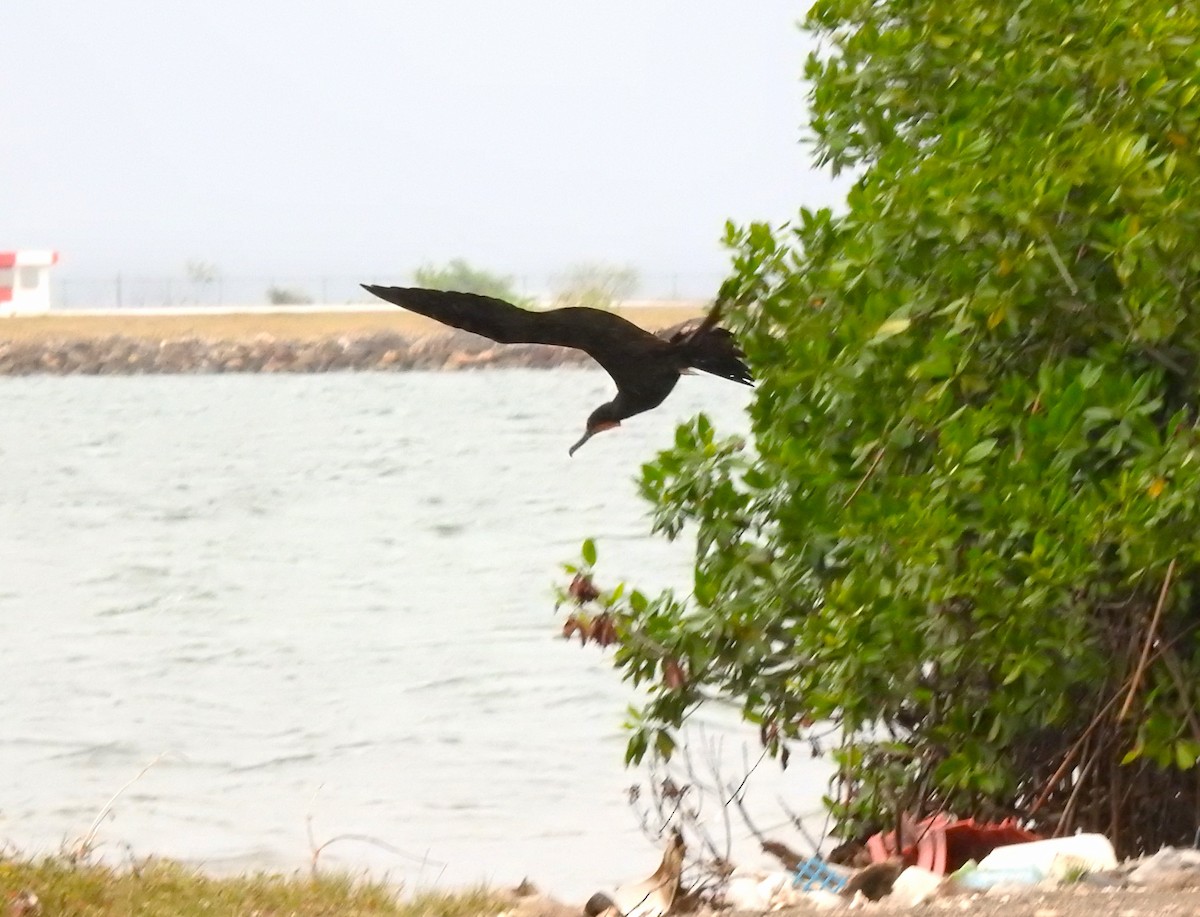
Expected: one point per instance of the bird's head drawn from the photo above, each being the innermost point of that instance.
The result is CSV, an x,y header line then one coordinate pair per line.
x,y
603,418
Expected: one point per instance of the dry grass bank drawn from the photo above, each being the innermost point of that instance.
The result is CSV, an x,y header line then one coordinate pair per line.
x,y
163,889
282,324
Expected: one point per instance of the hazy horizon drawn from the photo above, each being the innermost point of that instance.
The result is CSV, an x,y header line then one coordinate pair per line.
x,y
270,140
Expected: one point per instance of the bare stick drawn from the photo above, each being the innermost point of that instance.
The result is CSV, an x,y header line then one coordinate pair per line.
x,y
798,822
1058,263
714,765
865,477
84,845
424,860
705,837
1069,759
1171,661
361,838
1141,666
737,791
1068,812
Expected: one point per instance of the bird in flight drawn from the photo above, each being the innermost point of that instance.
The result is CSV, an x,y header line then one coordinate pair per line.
x,y
645,366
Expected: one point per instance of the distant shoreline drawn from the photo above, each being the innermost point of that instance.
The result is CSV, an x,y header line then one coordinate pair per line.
x,y
270,341
381,351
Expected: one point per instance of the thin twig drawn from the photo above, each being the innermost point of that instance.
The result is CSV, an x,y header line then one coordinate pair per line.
x,y
1141,666
798,822
317,849
424,860
1069,757
658,790
874,464
1058,263
714,765
1068,809
749,773
84,845
758,835
697,825
1172,663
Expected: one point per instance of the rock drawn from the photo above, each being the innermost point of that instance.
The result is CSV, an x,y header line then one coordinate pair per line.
x,y
915,886
267,353
24,904
825,900
598,904
756,891
1170,868
539,905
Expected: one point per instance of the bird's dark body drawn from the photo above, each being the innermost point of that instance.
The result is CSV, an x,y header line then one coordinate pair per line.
x,y
645,366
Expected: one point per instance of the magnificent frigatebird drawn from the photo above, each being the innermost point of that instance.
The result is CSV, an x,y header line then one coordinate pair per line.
x,y
645,366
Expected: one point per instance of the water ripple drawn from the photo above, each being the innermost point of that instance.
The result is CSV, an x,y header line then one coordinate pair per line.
x,y
338,583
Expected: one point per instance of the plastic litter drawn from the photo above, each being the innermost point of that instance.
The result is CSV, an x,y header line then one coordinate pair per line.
x,y
1056,858
1171,867
942,844
974,878
814,873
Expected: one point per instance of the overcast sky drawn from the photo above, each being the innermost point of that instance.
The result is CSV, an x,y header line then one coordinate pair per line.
x,y
365,138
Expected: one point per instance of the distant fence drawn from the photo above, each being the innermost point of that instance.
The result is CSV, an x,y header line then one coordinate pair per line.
x,y
125,291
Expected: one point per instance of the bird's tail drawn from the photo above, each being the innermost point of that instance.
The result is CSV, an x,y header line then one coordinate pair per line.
x,y
714,350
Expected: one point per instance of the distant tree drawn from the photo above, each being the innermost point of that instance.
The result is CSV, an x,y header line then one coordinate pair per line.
x,y
201,275
459,275
283,296
595,284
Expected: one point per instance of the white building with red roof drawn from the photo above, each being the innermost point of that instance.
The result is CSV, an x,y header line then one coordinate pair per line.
x,y
25,280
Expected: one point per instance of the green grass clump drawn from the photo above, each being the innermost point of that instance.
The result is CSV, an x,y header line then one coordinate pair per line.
x,y
168,889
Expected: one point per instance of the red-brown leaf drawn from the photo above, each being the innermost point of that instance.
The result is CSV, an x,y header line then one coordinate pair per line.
x,y
582,590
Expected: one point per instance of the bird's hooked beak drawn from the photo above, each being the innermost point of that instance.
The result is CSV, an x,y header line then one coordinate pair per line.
x,y
599,428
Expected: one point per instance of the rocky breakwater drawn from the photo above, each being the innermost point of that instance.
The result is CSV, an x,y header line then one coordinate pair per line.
x,y
119,355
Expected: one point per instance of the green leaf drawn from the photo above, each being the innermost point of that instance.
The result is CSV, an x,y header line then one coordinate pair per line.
x,y
891,328
979,451
1186,753
664,744
635,748
589,552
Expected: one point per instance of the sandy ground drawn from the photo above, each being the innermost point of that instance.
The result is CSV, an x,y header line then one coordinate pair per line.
x,y
1060,903
285,324
1074,902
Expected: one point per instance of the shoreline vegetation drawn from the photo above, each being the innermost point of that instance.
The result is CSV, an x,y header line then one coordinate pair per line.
x,y
56,885
267,341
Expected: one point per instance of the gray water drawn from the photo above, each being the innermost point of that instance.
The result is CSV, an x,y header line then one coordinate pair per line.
x,y
327,599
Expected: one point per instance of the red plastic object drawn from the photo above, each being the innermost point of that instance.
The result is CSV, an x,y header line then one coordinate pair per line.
x,y
942,844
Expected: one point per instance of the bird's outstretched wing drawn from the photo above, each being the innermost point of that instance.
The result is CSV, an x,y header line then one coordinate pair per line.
x,y
605,337
485,315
